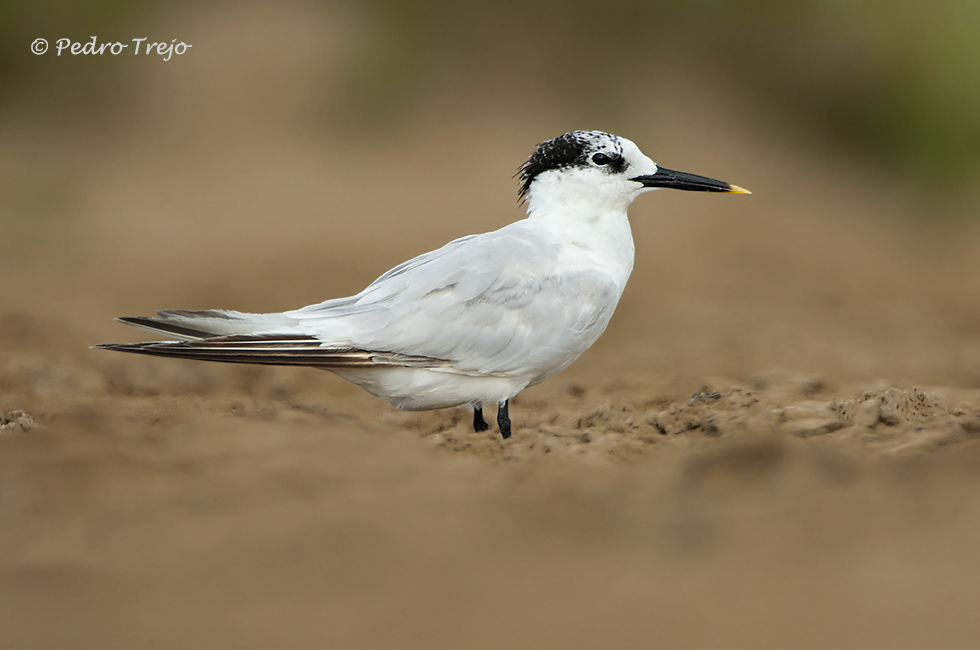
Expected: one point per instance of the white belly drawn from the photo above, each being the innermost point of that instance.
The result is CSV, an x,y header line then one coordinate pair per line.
x,y
421,389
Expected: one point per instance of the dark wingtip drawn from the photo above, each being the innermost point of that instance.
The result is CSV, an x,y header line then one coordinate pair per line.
x,y
120,347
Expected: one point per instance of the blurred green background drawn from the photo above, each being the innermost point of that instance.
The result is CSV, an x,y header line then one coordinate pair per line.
x,y
896,83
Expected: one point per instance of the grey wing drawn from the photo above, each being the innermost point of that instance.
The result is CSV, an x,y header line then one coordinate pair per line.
x,y
491,304
388,285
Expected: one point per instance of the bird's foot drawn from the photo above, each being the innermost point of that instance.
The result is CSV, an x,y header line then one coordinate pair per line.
x,y
503,419
479,424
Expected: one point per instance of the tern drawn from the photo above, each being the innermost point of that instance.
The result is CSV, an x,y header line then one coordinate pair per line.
x,y
478,320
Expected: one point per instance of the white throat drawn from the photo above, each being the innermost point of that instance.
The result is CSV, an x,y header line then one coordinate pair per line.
x,y
588,220
578,195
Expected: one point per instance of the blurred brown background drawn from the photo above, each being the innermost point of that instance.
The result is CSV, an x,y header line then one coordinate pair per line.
x,y
298,150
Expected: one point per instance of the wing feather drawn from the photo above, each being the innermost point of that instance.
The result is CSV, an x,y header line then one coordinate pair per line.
x,y
279,350
497,303
501,303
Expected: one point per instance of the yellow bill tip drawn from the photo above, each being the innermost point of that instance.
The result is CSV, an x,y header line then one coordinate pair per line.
x,y
735,189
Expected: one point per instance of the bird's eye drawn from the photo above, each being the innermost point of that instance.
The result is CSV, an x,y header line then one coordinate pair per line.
x,y
601,159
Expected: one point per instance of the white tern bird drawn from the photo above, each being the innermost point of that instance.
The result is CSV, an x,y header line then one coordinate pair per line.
x,y
477,320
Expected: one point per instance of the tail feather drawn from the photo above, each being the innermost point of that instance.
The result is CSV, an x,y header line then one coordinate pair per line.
x,y
197,325
161,326
275,349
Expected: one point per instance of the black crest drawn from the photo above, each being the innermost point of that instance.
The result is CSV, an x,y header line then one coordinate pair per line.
x,y
568,150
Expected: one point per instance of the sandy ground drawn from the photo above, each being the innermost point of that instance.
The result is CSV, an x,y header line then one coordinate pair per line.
x,y
776,444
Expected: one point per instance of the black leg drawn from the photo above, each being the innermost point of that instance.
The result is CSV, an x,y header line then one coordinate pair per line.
x,y
503,419
479,424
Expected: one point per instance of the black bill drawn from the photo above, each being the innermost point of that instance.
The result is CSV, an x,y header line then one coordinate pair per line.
x,y
683,181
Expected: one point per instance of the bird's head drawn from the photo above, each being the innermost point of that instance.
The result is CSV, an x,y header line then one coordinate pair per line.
x,y
592,170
